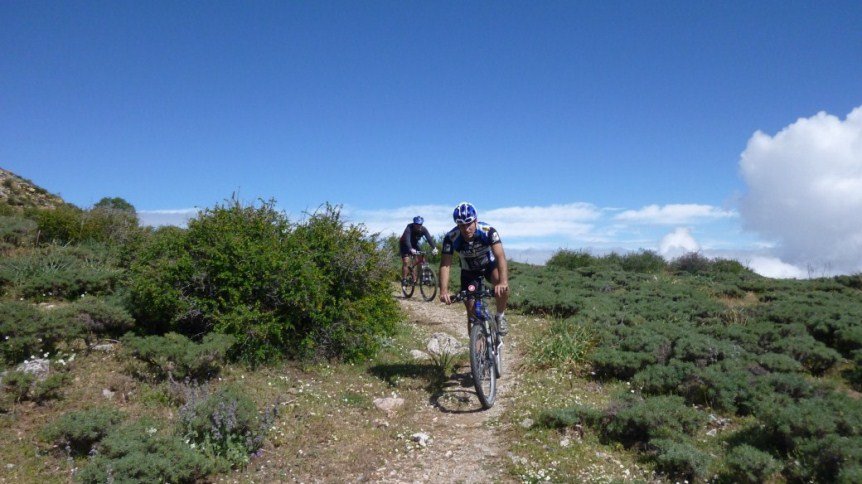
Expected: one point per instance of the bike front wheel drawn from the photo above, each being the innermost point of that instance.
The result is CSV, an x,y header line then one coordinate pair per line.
x,y
407,287
428,284
482,363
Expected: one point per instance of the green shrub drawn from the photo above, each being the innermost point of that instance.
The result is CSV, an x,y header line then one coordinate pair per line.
x,y
224,426
17,231
644,261
111,221
571,260
637,419
91,318
78,432
691,263
58,272
175,357
316,289
570,416
679,460
139,452
20,386
26,332
747,464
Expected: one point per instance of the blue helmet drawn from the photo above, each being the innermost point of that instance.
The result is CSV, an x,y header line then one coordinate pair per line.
x,y
418,220
464,213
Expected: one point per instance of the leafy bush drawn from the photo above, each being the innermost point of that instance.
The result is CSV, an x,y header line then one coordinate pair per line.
x,y
748,464
644,261
25,331
679,459
58,272
20,386
570,416
138,452
95,318
571,260
78,432
224,426
17,231
317,289
691,263
636,419
174,356
111,221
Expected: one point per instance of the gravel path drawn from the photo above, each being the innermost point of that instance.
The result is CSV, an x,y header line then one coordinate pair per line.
x,y
465,443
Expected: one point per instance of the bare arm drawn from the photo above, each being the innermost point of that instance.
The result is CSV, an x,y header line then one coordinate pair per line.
x,y
445,264
503,268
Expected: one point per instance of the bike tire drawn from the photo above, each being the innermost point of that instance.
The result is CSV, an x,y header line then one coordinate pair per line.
x,y
408,288
482,367
428,284
498,366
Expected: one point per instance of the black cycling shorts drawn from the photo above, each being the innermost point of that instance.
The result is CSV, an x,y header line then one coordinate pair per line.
x,y
405,250
475,277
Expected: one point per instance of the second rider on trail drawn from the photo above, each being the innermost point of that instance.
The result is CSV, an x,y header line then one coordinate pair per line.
x,y
482,256
409,245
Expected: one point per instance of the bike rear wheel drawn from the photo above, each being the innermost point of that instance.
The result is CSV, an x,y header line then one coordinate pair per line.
x,y
428,284
482,367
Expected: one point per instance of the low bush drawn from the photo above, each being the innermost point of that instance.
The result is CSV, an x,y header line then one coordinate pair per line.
x,y
570,416
644,262
224,426
17,231
27,332
140,452
78,432
639,420
19,386
679,459
747,464
571,260
176,357
55,271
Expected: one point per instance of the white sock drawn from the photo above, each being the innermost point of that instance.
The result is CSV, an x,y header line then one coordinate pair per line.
x,y
500,314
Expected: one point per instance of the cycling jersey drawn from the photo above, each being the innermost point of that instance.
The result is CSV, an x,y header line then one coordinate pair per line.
x,y
476,255
413,233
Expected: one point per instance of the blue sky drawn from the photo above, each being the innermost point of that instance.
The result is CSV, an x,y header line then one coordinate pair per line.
x,y
586,125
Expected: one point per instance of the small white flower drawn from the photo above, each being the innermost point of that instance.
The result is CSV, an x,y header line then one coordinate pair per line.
x,y
152,430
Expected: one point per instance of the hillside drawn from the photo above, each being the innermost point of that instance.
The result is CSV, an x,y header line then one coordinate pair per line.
x,y
20,192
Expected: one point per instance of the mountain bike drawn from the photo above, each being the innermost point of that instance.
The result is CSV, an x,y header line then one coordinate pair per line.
x,y
423,275
486,344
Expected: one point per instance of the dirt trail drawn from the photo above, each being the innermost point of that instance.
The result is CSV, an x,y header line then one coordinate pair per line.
x,y
465,443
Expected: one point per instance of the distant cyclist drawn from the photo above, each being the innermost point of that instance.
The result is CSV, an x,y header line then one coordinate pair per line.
x,y
482,255
409,244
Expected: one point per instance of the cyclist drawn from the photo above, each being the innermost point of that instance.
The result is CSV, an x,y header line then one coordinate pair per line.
x,y
482,255
409,244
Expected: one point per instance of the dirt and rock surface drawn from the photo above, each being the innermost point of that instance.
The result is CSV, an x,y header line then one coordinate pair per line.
x,y
464,441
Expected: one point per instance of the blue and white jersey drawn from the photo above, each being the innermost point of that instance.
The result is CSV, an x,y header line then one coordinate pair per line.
x,y
476,254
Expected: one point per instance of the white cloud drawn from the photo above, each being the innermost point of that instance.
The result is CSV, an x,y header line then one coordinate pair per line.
x,y
563,220
774,267
157,218
673,214
805,191
677,243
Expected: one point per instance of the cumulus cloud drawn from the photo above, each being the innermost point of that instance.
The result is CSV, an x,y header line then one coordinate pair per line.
x,y
774,267
805,191
570,220
157,218
677,243
673,214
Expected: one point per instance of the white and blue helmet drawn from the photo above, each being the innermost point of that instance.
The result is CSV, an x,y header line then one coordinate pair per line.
x,y
418,220
464,213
